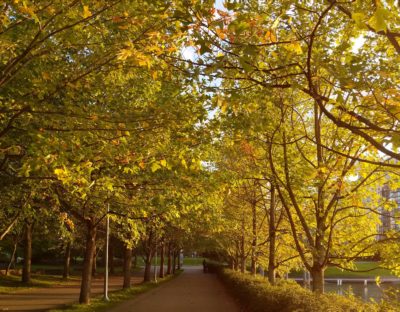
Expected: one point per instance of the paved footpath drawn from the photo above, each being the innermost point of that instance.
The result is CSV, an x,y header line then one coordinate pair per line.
x,y
192,291
43,299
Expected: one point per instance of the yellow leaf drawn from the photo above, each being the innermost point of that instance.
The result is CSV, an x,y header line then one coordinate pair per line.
x,y
59,172
46,76
142,164
269,37
184,164
295,47
220,33
154,167
276,22
124,54
163,162
86,12
222,105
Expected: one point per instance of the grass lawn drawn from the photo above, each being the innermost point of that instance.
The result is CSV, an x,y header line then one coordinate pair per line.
x,y
116,297
362,266
12,283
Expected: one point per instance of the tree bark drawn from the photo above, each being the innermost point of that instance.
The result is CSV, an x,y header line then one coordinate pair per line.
x,y
94,267
169,265
67,260
236,258
317,271
148,257
173,261
84,297
127,267
162,251
147,270
12,258
272,238
317,274
178,255
242,251
135,260
254,241
26,271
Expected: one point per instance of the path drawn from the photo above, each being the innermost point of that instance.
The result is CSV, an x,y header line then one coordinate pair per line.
x,y
42,299
192,291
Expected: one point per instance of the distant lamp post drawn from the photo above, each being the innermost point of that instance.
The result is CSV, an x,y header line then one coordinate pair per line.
x,y
106,254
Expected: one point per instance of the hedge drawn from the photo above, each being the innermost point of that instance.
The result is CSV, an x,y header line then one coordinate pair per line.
x,y
256,294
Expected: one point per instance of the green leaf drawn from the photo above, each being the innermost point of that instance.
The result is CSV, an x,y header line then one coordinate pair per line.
x,y
245,64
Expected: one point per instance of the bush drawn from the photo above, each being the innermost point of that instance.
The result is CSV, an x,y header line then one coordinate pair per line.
x,y
255,294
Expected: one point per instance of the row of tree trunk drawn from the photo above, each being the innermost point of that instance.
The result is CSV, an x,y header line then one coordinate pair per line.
x,y
168,253
238,262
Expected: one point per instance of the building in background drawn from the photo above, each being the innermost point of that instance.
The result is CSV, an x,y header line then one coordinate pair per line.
x,y
390,220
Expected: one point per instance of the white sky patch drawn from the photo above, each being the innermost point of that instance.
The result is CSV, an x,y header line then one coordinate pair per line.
x,y
358,43
219,4
189,53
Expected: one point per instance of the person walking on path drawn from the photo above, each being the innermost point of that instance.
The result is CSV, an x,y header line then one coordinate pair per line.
x,y
205,267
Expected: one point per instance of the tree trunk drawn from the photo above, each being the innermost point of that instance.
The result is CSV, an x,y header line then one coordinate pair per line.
x,y
12,258
254,241
178,255
242,251
169,265
317,271
236,258
90,249
173,261
317,274
67,260
26,271
127,267
135,260
148,256
272,238
94,267
147,270
162,251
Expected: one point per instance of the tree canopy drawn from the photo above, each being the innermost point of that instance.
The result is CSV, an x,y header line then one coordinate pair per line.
x,y
264,131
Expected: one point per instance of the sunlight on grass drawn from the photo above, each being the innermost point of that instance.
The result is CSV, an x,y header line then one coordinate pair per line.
x,y
12,283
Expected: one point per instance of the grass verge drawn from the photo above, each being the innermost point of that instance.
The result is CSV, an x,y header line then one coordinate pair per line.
x,y
97,304
12,283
